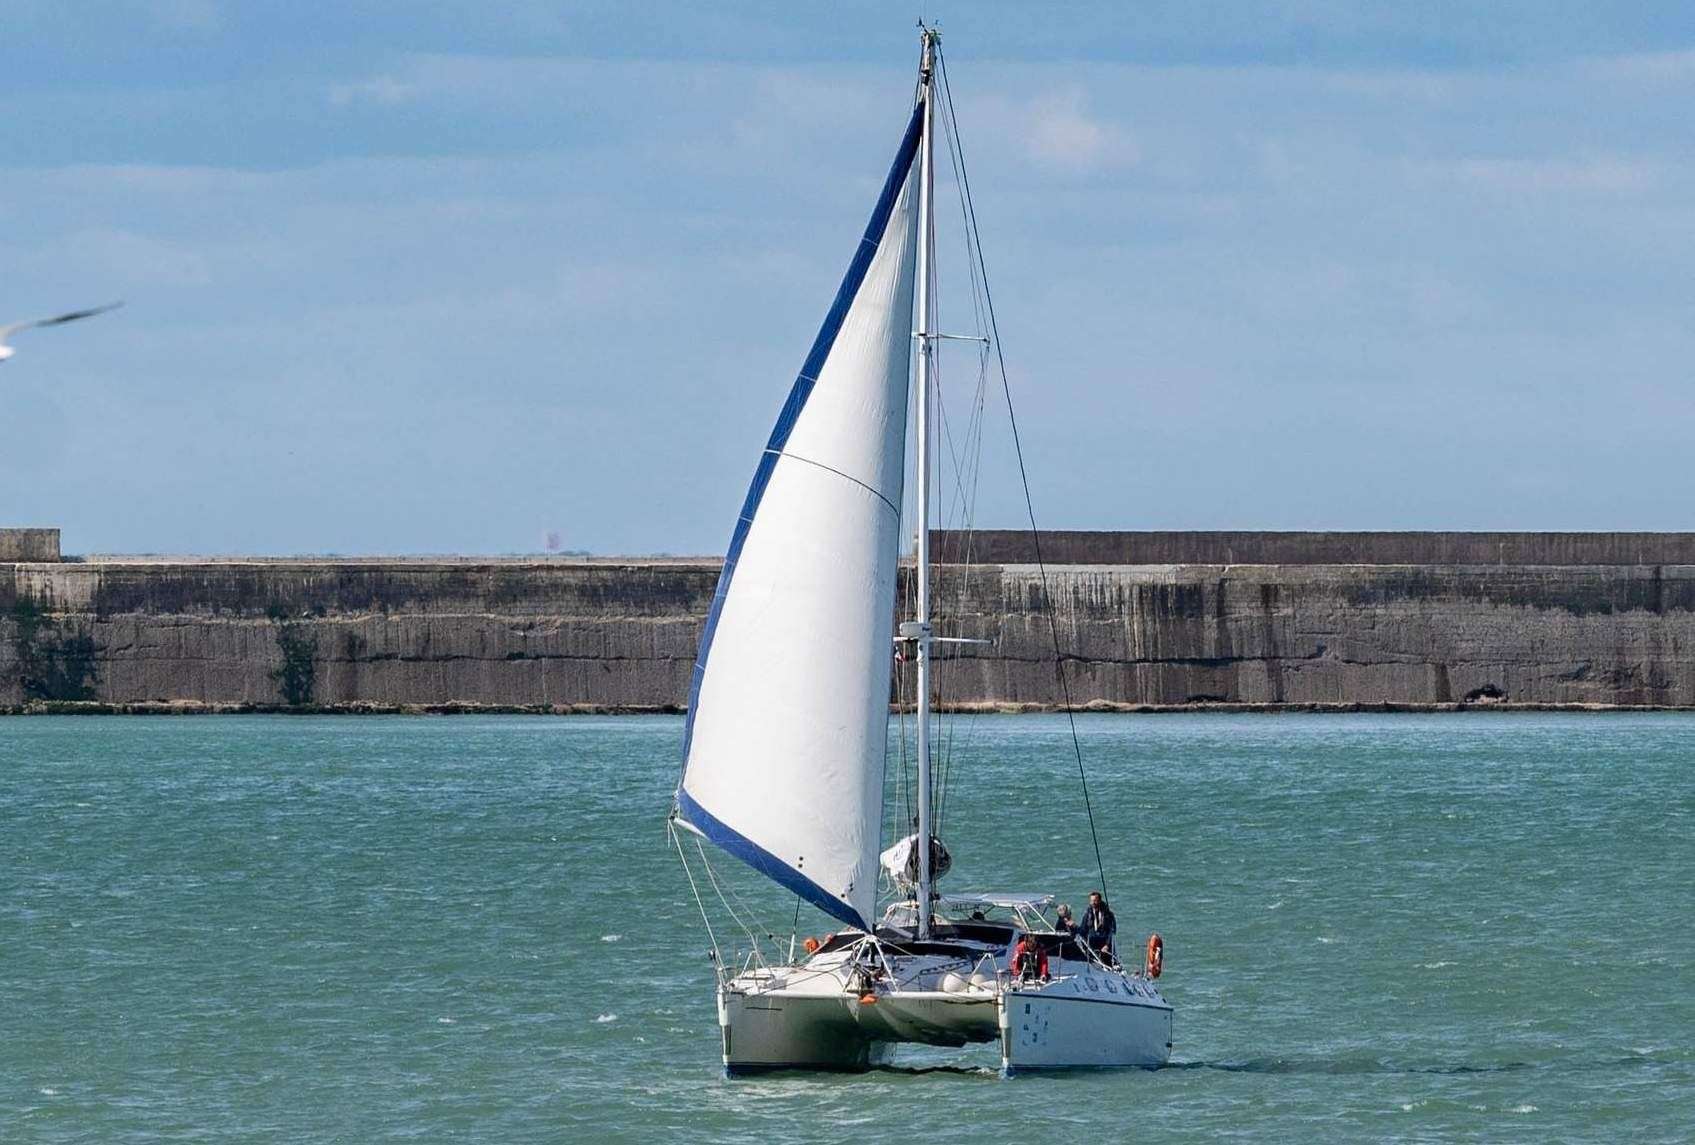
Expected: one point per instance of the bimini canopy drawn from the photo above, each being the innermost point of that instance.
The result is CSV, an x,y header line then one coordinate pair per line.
x,y
789,708
1006,901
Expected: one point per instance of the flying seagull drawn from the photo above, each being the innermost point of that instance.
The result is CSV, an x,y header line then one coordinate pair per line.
x,y
6,332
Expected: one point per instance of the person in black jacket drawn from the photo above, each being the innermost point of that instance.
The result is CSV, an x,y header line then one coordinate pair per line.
x,y
1099,927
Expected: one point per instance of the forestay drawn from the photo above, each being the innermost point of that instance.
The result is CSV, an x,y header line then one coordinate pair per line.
x,y
788,711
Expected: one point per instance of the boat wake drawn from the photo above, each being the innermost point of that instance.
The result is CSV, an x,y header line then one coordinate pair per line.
x,y
1365,1065
961,1070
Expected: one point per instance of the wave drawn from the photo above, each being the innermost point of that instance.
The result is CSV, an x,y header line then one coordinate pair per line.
x,y
1377,1065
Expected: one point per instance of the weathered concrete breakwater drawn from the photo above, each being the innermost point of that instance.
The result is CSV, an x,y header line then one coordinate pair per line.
x,y
354,633
573,635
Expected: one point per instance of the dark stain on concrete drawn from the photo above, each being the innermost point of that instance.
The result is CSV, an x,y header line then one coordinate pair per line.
x,y
53,659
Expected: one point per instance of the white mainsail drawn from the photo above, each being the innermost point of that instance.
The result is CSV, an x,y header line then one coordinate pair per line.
x,y
789,708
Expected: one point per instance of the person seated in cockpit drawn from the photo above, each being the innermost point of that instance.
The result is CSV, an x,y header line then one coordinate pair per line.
x,y
1029,960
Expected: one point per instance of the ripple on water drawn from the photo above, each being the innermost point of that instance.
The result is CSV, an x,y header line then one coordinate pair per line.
x,y
1375,927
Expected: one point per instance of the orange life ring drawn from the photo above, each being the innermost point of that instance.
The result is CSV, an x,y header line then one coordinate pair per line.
x,y
1156,955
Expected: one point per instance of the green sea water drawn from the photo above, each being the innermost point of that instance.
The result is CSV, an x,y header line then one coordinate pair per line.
x,y
1471,927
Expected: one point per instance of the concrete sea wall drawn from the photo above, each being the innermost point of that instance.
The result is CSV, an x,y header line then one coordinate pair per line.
x,y
561,635
1080,547
384,633
29,545
1180,635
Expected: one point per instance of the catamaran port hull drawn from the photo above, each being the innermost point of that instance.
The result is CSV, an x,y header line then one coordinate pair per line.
x,y
1059,1028
770,1031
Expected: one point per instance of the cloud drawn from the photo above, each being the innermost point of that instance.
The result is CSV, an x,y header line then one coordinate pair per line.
x,y
185,15
1432,88
1058,131
384,91
1601,174
144,179
1644,67
1300,272
126,257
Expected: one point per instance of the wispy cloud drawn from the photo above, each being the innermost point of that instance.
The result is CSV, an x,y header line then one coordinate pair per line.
x,y
146,179
1299,270
1644,67
123,256
384,91
186,15
1059,131
1598,174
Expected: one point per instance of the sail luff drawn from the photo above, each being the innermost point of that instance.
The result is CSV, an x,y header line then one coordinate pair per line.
x,y
796,401
783,745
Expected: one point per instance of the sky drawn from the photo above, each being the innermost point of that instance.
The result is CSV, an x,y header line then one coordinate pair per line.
x,y
440,276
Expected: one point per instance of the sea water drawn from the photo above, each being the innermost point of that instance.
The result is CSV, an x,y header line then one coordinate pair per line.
x,y
1476,927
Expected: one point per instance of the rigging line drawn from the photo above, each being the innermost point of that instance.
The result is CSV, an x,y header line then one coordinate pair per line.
x,y
966,454
968,477
717,957
944,762
913,610
747,910
944,724
961,509
967,555
946,787
1024,478
953,452
713,878
947,693
737,895
974,451
954,158
902,811
974,445
956,506
959,468
909,687
890,806
932,351
904,672
958,496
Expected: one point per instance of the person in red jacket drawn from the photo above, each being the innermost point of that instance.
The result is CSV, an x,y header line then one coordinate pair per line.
x,y
1029,960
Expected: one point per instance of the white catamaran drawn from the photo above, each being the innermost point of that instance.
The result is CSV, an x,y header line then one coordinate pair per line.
x,y
788,720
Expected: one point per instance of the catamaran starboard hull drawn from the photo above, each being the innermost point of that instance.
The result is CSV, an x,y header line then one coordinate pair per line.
x,y
1059,1028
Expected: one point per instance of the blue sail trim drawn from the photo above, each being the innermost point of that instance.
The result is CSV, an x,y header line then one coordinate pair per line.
x,y
796,402
765,862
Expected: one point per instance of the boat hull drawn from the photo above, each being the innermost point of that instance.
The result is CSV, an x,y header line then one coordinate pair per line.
x,y
930,1017
770,1031
1064,1026
1096,1019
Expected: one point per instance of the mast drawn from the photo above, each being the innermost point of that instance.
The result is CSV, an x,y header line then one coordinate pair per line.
x,y
926,227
